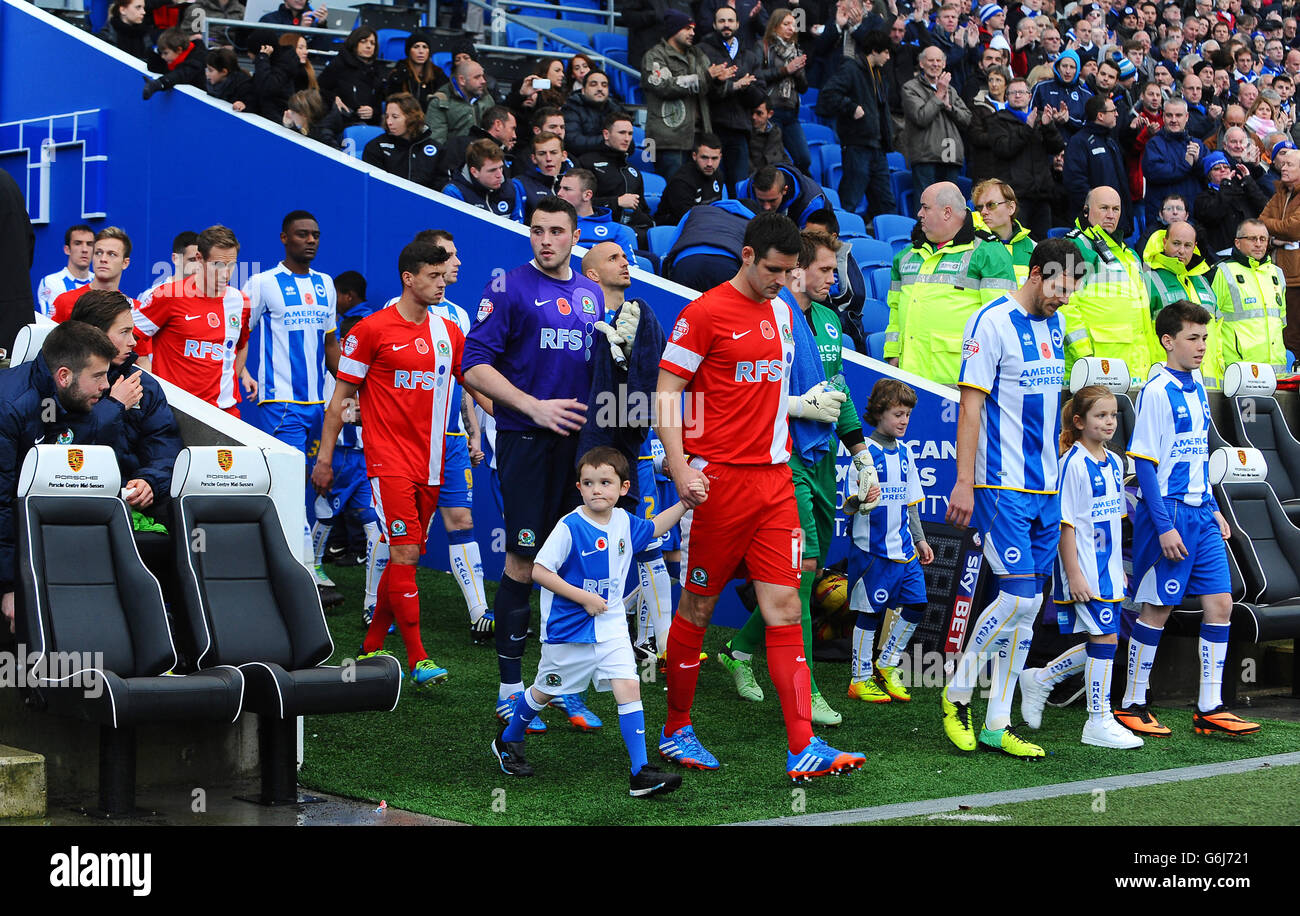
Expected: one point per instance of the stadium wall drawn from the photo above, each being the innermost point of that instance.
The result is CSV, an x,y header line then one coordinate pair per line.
x,y
183,161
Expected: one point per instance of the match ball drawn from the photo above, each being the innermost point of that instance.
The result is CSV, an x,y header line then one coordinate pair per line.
x,y
830,606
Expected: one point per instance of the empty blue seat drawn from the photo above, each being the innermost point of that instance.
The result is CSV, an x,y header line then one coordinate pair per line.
x,y
965,184
820,133
879,280
392,43
896,162
871,253
654,184
832,197
901,184
1057,232
875,316
519,37
831,165
876,345
581,38
584,17
851,225
442,60
889,227
645,264
661,239
604,41
356,137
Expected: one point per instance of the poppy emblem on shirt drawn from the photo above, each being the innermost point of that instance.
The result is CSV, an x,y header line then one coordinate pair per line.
x,y
443,348
766,328
421,346
308,298
213,320
680,329
350,345
1047,351
562,305
601,544
225,459
76,458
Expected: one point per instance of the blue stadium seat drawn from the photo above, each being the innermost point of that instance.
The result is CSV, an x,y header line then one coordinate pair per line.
x,y
360,135
807,115
896,162
808,99
519,37
889,227
875,316
1057,232
831,166
604,41
901,184
819,133
442,60
583,17
965,184
851,225
871,253
392,43
832,197
581,38
879,280
876,345
661,239
645,264
654,184
1290,359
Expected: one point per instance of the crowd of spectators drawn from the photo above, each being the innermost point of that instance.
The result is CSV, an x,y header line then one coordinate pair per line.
x,y
1186,110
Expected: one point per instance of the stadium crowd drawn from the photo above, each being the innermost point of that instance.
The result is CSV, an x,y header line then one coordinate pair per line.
x,y
1172,183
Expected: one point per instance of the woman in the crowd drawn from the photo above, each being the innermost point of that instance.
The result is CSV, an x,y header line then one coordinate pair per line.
x,y
126,28
226,81
984,107
784,71
354,80
279,72
417,74
531,92
406,149
306,114
579,66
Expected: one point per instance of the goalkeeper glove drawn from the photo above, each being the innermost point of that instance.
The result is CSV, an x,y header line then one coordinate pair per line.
x,y
818,403
623,332
867,479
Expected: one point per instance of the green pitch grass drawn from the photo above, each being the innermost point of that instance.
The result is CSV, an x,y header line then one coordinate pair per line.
x,y
431,754
1266,796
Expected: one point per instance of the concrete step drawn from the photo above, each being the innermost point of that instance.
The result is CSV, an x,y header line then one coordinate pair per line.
x,y
22,783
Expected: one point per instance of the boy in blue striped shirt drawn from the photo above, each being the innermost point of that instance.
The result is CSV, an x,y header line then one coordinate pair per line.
x,y
581,569
1178,531
889,547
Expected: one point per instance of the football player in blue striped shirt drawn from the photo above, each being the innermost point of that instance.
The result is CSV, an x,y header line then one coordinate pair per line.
x,y
582,568
1089,577
1178,530
889,547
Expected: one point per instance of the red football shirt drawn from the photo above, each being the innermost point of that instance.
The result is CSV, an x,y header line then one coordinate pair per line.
x,y
735,354
195,338
404,371
65,302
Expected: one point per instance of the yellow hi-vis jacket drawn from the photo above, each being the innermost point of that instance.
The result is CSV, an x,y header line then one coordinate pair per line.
x,y
1170,280
1251,299
933,291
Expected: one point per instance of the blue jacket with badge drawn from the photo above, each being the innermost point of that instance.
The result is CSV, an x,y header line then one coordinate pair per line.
x,y
26,392
1073,94
600,227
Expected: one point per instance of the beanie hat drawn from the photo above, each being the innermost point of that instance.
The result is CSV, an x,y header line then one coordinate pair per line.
x,y
1213,159
988,11
675,21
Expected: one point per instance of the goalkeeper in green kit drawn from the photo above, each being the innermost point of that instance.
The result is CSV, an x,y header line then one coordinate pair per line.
x,y
827,412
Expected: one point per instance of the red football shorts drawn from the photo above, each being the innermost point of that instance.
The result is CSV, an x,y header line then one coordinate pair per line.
x,y
749,523
405,509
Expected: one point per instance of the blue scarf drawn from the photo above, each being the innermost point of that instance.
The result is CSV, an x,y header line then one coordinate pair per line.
x,y
1022,115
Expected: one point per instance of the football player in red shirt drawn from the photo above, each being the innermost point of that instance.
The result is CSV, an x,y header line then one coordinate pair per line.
x,y
110,257
401,361
199,324
731,352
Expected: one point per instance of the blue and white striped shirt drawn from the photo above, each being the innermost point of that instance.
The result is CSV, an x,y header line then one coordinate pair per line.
x,y
1092,503
1172,430
884,531
299,311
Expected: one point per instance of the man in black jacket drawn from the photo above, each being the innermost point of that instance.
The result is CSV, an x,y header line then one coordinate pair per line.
x,y
498,125
1231,196
39,401
17,249
482,182
695,183
731,100
619,186
1024,143
542,177
1093,159
585,113
858,98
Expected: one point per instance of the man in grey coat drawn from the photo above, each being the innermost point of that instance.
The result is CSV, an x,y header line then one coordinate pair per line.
x,y
934,117
675,80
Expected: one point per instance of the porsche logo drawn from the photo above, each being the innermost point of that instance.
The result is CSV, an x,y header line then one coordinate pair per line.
x,y
76,458
225,459
1241,456
1105,367
1254,369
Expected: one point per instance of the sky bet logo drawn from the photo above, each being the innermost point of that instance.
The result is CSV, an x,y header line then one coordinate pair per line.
x,y
205,349
762,370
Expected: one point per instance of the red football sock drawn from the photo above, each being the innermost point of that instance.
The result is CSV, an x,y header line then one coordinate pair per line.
x,y
382,619
683,661
404,599
789,670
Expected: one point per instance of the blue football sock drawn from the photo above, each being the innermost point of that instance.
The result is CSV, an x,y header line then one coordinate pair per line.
x,y
631,722
525,712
